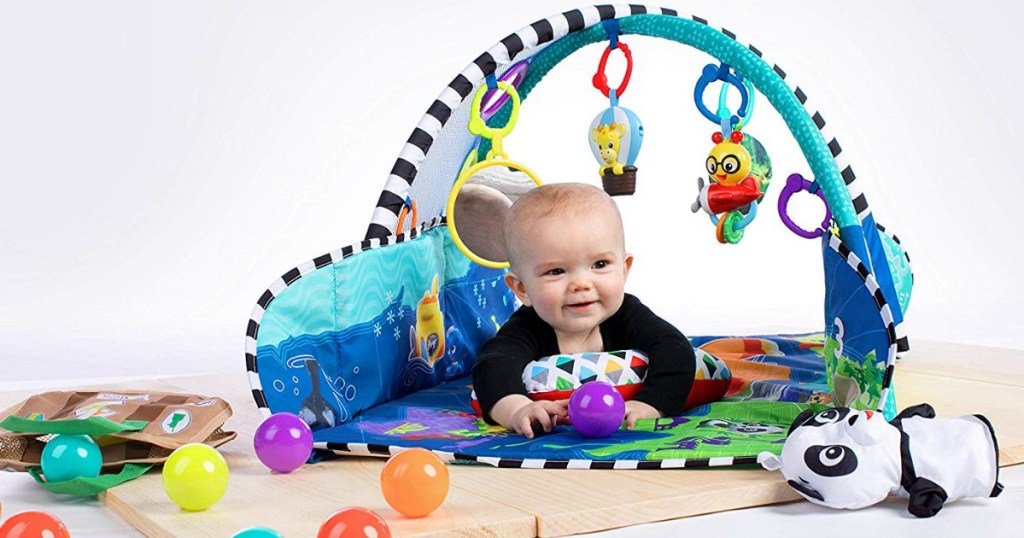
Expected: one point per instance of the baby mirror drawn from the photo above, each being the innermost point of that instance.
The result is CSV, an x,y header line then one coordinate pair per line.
x,y
478,205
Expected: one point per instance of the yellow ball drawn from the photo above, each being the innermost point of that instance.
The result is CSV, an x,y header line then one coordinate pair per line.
x,y
195,476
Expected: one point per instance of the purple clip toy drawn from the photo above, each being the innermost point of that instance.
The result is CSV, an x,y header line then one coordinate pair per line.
x,y
794,184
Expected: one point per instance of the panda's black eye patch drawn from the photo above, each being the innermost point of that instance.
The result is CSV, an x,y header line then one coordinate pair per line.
x,y
829,416
830,460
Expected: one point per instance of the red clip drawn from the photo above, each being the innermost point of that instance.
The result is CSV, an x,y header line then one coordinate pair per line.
x,y
601,80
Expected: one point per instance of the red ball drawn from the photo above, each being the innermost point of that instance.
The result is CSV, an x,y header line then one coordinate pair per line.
x,y
736,137
716,137
33,524
354,522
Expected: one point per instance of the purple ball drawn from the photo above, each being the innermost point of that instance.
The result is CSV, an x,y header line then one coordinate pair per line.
x,y
596,410
283,442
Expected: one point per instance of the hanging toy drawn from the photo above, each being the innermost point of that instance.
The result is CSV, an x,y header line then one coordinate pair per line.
x,y
739,168
485,189
796,183
492,101
616,134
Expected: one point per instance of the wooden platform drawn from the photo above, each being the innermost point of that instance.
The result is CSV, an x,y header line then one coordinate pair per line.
x,y
485,501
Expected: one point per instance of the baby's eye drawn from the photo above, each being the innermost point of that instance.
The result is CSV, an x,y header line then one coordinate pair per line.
x,y
600,264
556,272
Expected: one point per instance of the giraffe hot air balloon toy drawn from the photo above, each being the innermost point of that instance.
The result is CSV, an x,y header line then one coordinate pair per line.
x,y
616,134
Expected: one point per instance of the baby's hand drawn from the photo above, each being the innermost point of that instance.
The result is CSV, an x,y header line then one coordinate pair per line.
x,y
636,410
544,413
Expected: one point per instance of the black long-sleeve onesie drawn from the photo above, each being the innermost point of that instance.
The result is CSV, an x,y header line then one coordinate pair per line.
x,y
525,338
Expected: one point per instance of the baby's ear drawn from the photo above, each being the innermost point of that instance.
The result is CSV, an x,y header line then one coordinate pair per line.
x,y
627,263
517,287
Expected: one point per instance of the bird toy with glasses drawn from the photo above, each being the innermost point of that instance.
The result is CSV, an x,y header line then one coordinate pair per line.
x,y
738,166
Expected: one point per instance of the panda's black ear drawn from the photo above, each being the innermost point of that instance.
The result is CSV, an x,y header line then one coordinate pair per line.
x,y
804,416
920,410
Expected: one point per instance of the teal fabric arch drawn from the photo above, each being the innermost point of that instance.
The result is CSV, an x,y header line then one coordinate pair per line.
x,y
753,68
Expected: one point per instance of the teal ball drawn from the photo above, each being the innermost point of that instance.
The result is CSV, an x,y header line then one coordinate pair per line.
x,y
66,457
257,532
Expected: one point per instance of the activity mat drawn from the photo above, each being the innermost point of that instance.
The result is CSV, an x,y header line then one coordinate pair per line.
x,y
782,377
371,344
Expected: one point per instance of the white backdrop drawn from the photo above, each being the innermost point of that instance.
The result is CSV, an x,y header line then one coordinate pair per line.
x,y
161,164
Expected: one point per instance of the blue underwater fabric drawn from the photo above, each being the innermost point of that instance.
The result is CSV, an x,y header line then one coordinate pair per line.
x,y
377,326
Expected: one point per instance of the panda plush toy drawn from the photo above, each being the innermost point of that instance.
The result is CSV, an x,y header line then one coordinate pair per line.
x,y
844,458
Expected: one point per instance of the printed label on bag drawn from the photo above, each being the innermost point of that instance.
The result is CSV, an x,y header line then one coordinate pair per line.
x,y
176,421
97,409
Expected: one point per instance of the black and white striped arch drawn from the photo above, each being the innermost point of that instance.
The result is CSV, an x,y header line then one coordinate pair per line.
x,y
296,273
902,342
385,451
525,40
883,310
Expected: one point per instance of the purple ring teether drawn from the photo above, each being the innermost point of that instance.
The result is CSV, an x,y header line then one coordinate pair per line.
x,y
794,184
492,101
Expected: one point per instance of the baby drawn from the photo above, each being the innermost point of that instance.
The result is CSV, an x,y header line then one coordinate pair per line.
x,y
569,266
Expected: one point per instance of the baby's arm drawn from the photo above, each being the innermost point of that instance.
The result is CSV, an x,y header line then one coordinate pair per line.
x,y
519,413
498,373
671,364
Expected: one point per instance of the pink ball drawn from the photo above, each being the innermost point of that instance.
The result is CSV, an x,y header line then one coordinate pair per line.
x,y
283,442
596,410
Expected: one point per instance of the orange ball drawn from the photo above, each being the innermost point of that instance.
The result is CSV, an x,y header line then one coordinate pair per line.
x,y
32,524
414,482
354,522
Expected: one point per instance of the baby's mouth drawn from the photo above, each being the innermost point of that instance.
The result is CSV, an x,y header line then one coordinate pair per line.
x,y
581,305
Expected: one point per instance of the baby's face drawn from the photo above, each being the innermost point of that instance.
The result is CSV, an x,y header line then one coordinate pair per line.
x,y
571,269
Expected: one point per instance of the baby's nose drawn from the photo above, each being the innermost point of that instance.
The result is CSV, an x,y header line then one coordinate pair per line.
x,y
581,284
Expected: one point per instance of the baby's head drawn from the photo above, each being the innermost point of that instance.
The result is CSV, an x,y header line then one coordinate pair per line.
x,y
567,253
